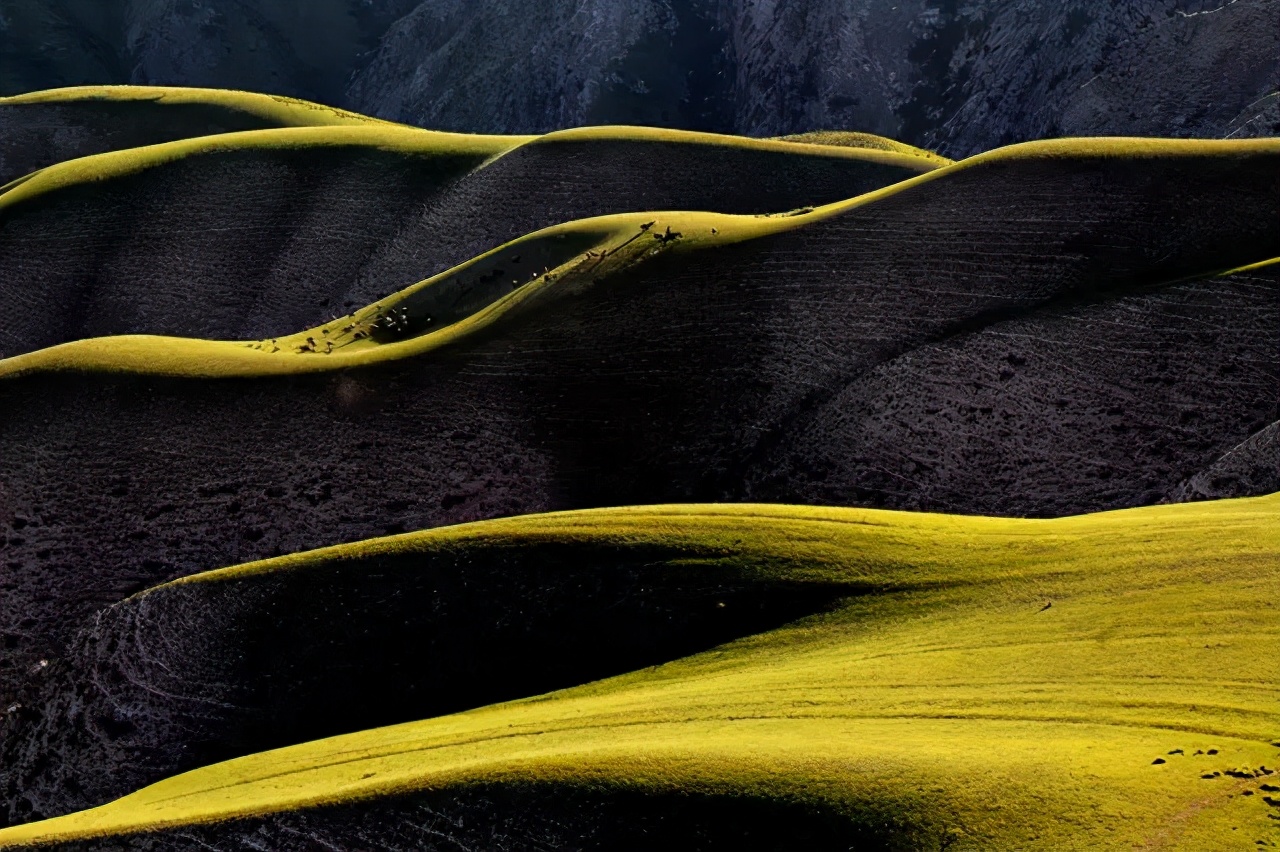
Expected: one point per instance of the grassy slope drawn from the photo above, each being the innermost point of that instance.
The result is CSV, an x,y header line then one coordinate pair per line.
x,y
862,140
285,111
294,112
389,205
116,164
944,692
39,129
395,137
621,238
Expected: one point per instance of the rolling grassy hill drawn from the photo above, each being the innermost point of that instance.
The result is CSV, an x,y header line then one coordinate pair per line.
x,y
392,376
1101,681
856,354
40,129
266,232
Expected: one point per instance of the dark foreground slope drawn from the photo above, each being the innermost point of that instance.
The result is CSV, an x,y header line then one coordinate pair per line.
x,y
260,234
782,368
189,674
1099,682
543,817
43,128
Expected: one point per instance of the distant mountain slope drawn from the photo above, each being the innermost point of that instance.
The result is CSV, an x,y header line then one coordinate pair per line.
x,y
956,77
963,77
303,48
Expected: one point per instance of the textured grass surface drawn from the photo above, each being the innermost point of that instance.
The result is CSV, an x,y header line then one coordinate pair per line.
x,y
378,136
620,242
1042,329
285,111
40,129
991,341
266,232
1002,683
853,139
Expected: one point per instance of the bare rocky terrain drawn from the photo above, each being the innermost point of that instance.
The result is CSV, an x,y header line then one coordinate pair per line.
x,y
956,77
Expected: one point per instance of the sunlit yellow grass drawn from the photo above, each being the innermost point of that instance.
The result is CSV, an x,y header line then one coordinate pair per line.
x,y
854,139
1010,682
308,125
378,136
615,237
294,112
285,111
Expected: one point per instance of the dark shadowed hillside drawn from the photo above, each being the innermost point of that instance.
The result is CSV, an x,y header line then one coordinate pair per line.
x,y
958,77
262,661
985,341
264,234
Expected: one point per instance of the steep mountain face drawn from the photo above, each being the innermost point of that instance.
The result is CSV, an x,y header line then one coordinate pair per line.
x,y
303,48
964,77
464,65
958,77
306,48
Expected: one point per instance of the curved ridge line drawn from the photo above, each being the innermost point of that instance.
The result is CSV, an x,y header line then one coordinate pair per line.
x,y
589,523
110,165
144,353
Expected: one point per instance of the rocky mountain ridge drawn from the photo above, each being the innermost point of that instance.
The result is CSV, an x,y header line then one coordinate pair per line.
x,y
955,77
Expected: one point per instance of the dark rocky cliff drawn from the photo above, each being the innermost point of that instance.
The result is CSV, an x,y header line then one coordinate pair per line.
x,y
958,77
